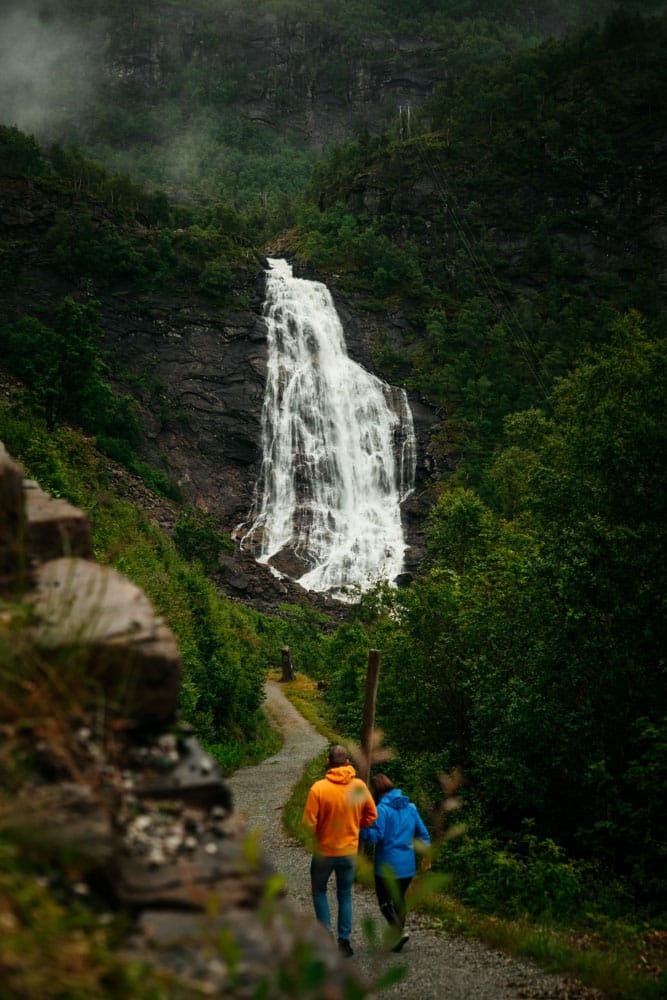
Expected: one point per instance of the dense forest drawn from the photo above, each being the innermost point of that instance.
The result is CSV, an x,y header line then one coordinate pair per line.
x,y
534,634
516,222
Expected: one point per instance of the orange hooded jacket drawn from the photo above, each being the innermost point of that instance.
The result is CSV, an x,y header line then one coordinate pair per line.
x,y
336,807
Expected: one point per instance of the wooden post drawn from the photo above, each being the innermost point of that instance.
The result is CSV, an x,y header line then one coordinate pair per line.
x,y
288,668
369,711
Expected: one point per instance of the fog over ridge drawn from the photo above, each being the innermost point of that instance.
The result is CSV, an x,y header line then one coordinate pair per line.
x,y
49,67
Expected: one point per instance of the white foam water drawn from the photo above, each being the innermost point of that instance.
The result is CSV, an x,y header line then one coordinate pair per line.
x,y
339,450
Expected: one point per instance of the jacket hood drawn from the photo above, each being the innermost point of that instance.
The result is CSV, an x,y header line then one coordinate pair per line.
x,y
395,799
341,775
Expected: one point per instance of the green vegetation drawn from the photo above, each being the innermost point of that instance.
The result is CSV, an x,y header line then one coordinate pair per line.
x,y
66,380
64,371
55,944
535,636
535,631
195,133
108,237
204,117
512,225
504,283
117,234
224,645
620,957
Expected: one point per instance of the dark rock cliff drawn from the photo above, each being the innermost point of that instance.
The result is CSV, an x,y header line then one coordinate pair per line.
x,y
198,376
204,427
316,82
292,76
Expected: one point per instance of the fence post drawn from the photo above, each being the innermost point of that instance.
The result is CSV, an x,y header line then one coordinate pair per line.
x,y
288,668
368,721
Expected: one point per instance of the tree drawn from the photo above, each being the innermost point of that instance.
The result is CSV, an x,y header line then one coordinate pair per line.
x,y
65,371
581,691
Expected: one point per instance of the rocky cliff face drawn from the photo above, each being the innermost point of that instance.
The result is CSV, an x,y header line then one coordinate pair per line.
x,y
201,378
289,75
64,60
292,76
198,374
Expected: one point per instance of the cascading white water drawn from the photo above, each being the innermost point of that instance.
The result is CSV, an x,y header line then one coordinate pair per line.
x,y
338,450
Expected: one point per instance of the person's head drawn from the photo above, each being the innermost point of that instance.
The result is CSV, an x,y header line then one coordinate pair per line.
x,y
338,756
380,785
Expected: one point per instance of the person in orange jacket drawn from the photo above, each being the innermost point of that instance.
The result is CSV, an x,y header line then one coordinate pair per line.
x,y
337,806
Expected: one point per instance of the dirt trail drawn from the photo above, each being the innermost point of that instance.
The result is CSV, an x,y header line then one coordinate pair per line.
x,y
437,965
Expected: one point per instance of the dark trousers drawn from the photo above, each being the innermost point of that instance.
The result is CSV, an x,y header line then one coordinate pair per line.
x,y
391,897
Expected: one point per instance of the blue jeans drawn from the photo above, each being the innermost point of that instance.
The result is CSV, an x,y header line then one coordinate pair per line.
x,y
320,872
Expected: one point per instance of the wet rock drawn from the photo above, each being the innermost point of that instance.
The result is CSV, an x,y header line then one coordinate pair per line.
x,y
288,562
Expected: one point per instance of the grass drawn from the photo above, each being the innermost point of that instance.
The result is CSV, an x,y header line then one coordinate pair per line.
x,y
232,756
625,962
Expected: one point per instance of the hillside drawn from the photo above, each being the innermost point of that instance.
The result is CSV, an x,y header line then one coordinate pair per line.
x,y
213,99
472,260
512,233
501,253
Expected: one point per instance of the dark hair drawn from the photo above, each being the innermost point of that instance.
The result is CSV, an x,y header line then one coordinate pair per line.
x,y
338,756
380,785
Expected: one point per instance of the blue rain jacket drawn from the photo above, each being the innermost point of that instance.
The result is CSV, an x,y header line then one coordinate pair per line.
x,y
397,827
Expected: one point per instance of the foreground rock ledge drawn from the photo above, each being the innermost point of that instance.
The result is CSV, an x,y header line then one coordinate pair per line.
x,y
151,817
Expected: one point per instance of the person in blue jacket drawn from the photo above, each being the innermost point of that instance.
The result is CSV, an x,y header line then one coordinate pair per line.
x,y
396,830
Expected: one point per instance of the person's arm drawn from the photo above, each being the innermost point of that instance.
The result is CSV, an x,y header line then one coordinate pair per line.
x,y
369,813
375,833
422,841
421,833
311,812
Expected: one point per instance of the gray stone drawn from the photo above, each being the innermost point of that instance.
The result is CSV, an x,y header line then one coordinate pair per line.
x,y
129,649
55,527
194,778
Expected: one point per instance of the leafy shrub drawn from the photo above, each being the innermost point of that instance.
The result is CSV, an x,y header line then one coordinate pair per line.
x,y
222,651
20,154
84,247
156,480
196,536
56,458
520,876
217,280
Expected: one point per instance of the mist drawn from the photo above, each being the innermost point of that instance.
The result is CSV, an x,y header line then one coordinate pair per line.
x,y
48,69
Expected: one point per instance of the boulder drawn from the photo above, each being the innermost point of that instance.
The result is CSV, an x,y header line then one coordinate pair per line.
x,y
92,611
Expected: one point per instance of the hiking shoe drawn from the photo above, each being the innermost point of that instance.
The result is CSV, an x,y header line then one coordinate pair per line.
x,y
345,948
404,938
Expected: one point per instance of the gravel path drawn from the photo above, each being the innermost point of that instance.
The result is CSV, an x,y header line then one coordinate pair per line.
x,y
437,965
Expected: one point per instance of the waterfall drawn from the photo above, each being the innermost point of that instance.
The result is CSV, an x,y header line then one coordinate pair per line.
x,y
339,450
